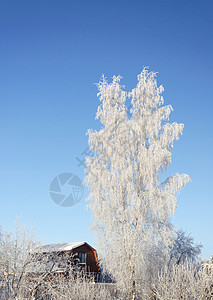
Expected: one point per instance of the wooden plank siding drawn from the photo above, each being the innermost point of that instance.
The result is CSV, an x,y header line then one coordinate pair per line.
x,y
91,260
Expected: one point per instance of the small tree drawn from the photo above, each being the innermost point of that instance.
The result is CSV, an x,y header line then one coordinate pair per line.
x,y
130,206
184,248
14,259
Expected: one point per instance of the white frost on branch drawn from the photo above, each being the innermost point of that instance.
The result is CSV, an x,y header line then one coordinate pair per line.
x,y
131,207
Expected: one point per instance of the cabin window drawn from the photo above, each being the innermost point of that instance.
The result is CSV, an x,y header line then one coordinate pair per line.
x,y
82,258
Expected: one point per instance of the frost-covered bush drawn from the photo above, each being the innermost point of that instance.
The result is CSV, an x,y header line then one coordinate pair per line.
x,y
178,282
14,258
185,281
206,276
77,286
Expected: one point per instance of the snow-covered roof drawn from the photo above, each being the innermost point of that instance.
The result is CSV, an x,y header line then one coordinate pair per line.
x,y
57,247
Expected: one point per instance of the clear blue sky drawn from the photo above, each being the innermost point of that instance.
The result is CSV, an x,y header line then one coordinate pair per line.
x,y
51,54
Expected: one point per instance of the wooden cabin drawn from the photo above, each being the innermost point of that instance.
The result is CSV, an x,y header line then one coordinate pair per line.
x,y
82,254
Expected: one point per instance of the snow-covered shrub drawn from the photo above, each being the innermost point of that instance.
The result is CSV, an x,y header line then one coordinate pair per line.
x,y
178,282
14,258
185,281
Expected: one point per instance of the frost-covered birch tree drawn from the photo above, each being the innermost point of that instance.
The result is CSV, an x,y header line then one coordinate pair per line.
x,y
131,207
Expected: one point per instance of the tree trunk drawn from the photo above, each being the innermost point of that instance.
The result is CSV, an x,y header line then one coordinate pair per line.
x,y
133,291
153,295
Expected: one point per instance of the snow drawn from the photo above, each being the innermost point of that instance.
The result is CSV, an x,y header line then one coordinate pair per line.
x,y
57,247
